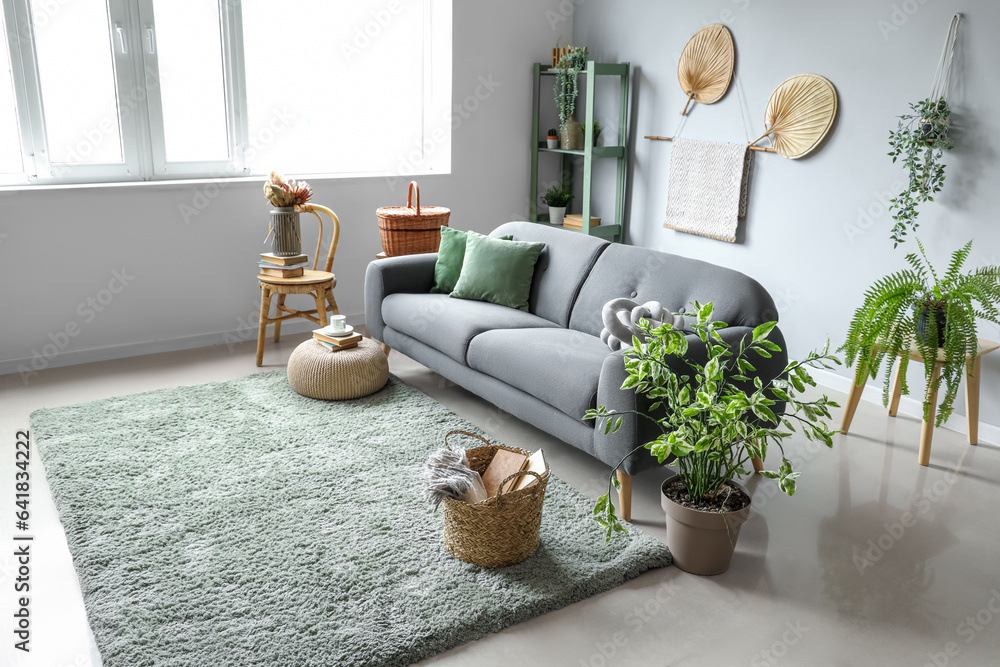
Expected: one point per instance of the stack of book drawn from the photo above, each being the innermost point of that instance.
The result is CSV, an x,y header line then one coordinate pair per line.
x,y
282,267
575,220
337,340
506,463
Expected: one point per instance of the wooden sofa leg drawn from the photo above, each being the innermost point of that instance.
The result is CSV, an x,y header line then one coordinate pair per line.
x,y
625,495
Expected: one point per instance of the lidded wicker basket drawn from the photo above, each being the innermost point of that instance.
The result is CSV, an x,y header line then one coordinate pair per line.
x,y
406,230
499,531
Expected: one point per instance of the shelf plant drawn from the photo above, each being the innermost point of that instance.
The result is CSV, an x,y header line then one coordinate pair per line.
x,y
916,306
567,85
920,141
557,198
714,417
566,91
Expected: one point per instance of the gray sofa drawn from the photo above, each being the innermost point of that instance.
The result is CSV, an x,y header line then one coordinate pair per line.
x,y
548,366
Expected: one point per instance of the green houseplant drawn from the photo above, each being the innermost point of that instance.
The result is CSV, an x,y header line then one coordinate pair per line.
x,y
916,306
596,130
552,138
920,140
557,198
566,91
717,420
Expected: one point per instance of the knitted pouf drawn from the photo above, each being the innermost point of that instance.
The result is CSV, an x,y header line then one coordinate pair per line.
x,y
318,372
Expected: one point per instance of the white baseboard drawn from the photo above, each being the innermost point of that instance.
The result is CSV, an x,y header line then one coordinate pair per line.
x,y
988,433
74,357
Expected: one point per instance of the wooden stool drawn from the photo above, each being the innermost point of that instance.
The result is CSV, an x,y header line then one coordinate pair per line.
x,y
317,284
927,429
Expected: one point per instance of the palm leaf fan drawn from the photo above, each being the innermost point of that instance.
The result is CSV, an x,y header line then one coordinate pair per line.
x,y
706,65
799,114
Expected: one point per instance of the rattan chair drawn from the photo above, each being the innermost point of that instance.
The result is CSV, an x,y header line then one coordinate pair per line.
x,y
318,284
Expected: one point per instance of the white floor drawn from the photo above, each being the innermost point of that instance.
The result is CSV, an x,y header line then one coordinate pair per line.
x,y
875,561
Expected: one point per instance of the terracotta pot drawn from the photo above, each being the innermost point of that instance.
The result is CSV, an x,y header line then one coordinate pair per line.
x,y
700,541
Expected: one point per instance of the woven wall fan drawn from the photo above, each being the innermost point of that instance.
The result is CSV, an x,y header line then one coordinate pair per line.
x,y
799,114
706,65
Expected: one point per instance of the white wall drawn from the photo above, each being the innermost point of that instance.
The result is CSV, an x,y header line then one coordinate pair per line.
x,y
804,241
193,283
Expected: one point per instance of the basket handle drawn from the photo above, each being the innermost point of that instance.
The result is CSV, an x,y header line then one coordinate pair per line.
x,y
471,435
519,473
409,204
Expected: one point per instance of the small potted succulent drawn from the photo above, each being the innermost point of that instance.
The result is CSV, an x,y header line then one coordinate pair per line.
x,y
556,198
552,138
712,418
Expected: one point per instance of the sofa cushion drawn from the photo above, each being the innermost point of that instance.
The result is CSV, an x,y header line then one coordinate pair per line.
x,y
451,257
447,324
561,268
650,275
560,366
497,271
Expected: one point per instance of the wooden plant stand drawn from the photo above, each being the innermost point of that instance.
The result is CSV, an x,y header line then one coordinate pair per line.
x,y
927,429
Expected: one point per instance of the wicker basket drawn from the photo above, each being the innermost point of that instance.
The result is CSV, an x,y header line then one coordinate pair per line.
x,y
406,230
498,531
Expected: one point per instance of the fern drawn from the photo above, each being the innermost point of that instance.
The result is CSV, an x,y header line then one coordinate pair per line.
x,y
884,326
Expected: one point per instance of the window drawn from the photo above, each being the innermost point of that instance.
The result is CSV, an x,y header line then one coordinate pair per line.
x,y
120,90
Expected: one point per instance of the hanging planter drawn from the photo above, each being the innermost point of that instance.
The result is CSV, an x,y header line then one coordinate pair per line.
x,y
920,140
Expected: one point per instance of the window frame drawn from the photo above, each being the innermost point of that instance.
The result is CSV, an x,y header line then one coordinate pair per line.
x,y
140,112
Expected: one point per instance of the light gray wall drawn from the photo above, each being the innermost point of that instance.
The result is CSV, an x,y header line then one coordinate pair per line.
x,y
193,283
818,233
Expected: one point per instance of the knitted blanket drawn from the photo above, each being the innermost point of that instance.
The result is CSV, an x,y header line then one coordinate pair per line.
x,y
707,193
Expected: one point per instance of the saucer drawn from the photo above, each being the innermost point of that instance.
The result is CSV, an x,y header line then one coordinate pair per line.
x,y
328,331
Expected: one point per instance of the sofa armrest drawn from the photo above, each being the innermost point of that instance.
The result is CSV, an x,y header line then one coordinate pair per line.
x,y
611,448
407,273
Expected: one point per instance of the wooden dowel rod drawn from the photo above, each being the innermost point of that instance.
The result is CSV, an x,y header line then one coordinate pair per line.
x,y
685,109
762,149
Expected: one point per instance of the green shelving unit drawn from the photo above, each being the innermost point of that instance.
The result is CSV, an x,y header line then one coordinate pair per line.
x,y
616,229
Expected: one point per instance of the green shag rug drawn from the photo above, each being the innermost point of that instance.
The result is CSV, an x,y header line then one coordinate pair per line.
x,y
238,523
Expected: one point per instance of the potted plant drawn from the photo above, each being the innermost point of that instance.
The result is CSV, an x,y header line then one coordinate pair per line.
x,y
557,198
714,419
920,140
566,90
285,196
916,306
595,133
552,138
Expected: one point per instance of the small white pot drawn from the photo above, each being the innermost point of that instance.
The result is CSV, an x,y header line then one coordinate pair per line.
x,y
552,143
557,215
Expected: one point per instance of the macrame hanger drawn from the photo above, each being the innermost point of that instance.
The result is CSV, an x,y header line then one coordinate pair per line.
x,y
743,111
942,76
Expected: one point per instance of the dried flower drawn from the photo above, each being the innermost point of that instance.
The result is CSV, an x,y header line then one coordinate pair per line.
x,y
282,194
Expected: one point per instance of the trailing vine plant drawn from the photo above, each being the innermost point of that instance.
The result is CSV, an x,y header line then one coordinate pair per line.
x,y
920,140
567,88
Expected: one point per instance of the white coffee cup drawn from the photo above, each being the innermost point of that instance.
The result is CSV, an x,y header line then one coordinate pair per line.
x,y
339,323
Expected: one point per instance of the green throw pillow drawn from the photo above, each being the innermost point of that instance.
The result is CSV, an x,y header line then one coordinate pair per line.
x,y
451,256
497,271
